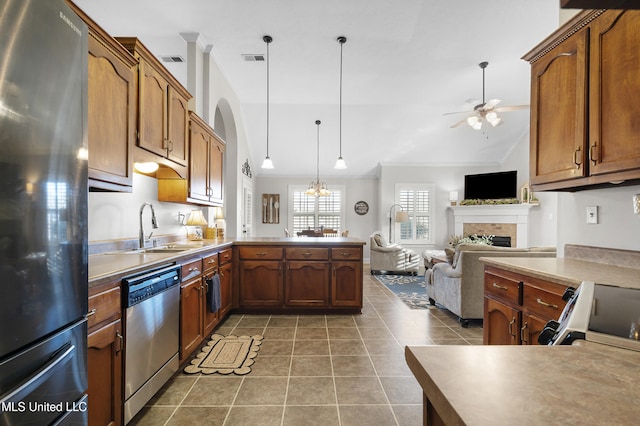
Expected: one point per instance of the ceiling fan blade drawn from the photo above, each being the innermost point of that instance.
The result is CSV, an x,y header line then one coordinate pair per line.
x,y
458,112
491,103
459,123
511,108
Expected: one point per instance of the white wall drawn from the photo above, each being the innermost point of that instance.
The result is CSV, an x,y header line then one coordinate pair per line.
x,y
356,189
618,226
116,215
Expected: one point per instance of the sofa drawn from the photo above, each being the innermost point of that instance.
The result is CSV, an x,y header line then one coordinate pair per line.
x,y
392,258
458,285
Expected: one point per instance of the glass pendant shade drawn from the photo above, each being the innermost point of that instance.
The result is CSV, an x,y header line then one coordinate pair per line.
x,y
267,163
340,163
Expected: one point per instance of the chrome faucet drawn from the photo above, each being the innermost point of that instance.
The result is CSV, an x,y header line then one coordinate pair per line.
x,y
154,223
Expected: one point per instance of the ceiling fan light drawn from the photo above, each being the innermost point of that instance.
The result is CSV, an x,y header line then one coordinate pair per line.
x,y
472,120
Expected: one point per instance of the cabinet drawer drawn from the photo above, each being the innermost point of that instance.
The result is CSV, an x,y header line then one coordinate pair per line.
x,y
301,253
502,288
346,253
546,304
191,269
106,305
210,262
225,256
264,253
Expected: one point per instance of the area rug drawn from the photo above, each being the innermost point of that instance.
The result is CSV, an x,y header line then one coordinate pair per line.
x,y
410,289
226,355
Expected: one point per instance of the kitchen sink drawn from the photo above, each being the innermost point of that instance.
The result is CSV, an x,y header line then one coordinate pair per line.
x,y
152,250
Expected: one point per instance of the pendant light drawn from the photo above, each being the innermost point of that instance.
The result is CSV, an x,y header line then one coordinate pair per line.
x,y
267,163
317,188
340,163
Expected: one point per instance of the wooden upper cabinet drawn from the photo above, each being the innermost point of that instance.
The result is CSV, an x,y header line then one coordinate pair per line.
x,y
205,163
614,91
163,110
112,109
584,86
558,112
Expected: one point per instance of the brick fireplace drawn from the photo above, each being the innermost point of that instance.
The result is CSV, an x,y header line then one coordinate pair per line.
x,y
510,220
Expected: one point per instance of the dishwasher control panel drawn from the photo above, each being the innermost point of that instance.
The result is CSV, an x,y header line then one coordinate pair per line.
x,y
140,287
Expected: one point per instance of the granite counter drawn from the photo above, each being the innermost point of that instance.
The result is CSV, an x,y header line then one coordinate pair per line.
x,y
587,384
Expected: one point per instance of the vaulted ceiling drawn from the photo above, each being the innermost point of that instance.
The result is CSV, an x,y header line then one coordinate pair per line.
x,y
405,64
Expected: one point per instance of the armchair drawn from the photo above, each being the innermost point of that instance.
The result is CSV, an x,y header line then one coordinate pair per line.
x,y
392,258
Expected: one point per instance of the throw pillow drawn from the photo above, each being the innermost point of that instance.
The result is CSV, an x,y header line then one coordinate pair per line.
x,y
378,239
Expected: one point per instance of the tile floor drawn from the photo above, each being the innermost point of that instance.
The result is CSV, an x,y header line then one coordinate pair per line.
x,y
317,369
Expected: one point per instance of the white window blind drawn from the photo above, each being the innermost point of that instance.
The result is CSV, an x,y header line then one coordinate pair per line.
x,y
308,212
418,201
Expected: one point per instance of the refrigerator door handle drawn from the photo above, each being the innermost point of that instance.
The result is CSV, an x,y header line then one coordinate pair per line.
x,y
39,376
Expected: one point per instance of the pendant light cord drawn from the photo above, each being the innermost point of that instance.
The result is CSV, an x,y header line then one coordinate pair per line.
x,y
318,152
342,40
268,40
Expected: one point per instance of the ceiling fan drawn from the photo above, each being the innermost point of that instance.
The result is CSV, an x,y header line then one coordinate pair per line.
x,y
486,111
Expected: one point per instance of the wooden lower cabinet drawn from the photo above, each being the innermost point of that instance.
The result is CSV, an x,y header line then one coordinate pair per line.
x,y
105,342
501,323
226,290
345,288
191,331
260,283
104,367
306,284
517,307
297,277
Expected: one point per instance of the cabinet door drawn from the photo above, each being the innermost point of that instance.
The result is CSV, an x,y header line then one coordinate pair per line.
x,y
111,118
190,316
614,88
531,328
216,161
306,284
152,93
104,367
501,323
209,319
346,284
226,279
558,112
198,167
178,125
261,283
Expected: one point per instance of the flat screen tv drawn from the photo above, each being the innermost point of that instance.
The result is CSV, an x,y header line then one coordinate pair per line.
x,y
491,185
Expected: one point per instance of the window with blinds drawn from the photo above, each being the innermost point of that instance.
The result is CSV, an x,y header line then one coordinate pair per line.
x,y
308,212
418,201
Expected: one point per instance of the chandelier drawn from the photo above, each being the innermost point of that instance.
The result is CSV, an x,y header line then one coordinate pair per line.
x,y
317,188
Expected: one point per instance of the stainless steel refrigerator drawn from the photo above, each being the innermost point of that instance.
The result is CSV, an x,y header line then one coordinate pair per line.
x,y
43,214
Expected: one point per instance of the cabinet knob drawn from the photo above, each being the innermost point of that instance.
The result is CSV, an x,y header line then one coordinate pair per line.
x,y
262,253
345,254
307,254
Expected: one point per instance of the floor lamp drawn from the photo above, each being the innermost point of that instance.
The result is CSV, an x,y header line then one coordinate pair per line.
x,y
401,217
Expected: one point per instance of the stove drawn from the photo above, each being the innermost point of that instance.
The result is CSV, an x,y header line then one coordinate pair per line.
x,y
599,313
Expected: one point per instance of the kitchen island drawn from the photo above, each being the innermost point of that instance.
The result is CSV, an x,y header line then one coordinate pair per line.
x,y
585,384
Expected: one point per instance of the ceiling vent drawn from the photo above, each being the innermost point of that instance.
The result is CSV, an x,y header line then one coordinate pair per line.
x,y
172,58
253,58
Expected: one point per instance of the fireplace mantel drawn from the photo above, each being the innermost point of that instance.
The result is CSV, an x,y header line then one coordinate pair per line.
x,y
517,214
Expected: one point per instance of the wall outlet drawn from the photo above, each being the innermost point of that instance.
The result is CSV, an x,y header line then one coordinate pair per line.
x,y
592,215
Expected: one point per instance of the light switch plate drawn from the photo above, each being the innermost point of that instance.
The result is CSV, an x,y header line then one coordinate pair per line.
x,y
592,215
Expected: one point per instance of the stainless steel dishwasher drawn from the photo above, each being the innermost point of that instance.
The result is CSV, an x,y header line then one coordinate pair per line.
x,y
152,302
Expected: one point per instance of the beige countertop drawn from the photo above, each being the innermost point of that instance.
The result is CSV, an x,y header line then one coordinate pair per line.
x,y
590,384
115,265
568,271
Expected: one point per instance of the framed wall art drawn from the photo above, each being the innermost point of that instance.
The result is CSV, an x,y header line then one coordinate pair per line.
x,y
270,208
